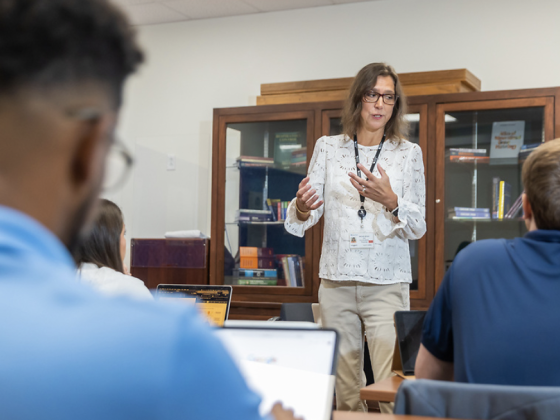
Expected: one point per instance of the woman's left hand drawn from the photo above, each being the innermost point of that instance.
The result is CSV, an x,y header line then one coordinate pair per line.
x,y
376,189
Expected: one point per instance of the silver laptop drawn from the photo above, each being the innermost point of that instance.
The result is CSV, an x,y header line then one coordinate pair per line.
x,y
213,301
295,366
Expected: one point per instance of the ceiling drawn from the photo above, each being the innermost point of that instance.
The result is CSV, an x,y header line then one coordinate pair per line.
x,y
147,12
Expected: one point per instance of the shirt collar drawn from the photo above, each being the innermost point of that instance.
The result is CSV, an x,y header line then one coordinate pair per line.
x,y
19,231
542,235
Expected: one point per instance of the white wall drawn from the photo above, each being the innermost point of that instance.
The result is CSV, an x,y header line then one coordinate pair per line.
x,y
196,66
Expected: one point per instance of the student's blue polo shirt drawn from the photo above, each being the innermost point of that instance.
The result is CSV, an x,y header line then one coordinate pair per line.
x,y
68,353
496,315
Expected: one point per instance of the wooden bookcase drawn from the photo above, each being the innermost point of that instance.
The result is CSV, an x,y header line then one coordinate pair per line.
x,y
434,131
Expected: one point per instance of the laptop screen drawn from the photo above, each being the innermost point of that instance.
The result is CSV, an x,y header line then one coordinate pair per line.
x,y
409,336
213,301
293,366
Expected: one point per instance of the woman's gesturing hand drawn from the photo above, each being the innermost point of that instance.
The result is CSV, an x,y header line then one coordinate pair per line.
x,y
306,199
376,189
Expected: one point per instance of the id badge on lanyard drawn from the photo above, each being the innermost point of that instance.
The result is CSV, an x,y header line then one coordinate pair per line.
x,y
363,240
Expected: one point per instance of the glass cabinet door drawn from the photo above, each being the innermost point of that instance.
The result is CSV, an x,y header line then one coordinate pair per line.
x,y
265,162
417,119
483,151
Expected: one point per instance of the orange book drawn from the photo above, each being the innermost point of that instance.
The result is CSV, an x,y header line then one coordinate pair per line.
x,y
253,251
256,262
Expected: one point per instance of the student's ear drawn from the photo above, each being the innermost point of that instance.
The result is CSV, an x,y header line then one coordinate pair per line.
x,y
92,144
527,210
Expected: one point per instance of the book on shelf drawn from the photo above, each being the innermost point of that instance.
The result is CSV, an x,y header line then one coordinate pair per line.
x,y
461,158
284,145
255,273
516,207
248,161
250,215
506,141
526,150
467,152
271,205
495,196
505,199
253,251
257,262
256,281
290,269
469,213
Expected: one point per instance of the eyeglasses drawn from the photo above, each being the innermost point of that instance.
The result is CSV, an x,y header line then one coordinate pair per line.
x,y
118,165
119,160
388,98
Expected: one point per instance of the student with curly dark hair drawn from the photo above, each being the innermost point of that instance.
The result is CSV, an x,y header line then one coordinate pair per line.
x,y
67,353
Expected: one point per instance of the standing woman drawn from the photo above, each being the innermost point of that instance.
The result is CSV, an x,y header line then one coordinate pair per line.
x,y
371,182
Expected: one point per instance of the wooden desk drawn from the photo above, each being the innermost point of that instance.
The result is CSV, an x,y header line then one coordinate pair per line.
x,y
346,415
383,391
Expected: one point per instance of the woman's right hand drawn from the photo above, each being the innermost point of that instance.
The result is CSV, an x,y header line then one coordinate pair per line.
x,y
306,199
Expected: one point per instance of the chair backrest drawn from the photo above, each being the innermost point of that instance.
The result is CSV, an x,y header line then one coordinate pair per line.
x,y
477,401
296,312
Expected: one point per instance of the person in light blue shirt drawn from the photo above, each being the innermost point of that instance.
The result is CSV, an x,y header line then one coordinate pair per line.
x,y
67,353
494,319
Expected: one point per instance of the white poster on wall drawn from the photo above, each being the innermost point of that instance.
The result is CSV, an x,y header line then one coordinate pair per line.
x,y
507,139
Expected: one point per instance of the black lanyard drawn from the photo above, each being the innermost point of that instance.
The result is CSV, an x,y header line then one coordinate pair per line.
x,y
362,211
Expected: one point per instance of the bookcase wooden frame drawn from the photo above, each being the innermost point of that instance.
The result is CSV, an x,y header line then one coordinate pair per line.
x,y
263,302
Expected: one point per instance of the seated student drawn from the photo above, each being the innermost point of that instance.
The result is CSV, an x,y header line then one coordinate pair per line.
x,y
67,353
494,319
100,255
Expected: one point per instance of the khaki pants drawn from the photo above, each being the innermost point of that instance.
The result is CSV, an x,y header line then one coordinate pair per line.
x,y
351,308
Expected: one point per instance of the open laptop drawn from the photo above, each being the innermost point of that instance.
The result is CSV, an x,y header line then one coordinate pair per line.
x,y
290,365
408,325
213,301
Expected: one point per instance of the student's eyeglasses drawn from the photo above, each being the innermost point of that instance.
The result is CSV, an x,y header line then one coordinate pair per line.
x,y
388,98
119,161
118,165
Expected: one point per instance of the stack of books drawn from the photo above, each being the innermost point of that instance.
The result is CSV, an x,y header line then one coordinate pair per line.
x,y
256,258
299,159
526,150
250,215
255,277
254,161
468,213
468,155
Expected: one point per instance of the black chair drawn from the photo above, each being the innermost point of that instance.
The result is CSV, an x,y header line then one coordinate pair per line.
x,y
296,312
